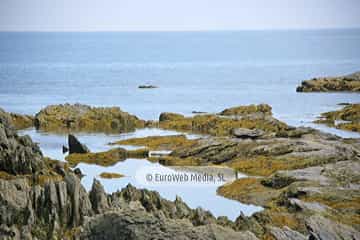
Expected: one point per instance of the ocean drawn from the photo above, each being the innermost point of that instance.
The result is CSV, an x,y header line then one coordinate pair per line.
x,y
194,71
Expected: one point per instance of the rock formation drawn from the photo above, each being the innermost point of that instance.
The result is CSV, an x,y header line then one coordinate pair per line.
x,y
75,146
77,117
350,83
347,118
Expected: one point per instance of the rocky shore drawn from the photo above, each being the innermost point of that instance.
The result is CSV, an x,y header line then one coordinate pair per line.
x,y
347,118
306,180
349,83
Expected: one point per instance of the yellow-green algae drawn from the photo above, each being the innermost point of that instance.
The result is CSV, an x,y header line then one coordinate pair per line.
x,y
221,126
251,117
159,142
107,158
77,117
109,175
249,109
349,113
21,121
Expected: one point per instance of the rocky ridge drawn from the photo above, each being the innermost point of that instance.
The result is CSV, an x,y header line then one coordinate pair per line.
x,y
349,83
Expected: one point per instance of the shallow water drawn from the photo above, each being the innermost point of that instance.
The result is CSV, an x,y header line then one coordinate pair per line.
x,y
194,193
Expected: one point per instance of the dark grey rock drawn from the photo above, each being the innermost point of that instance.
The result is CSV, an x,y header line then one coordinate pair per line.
x,y
75,146
98,197
247,133
286,233
321,228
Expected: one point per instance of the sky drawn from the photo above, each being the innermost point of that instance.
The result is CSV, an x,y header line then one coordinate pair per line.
x,y
176,15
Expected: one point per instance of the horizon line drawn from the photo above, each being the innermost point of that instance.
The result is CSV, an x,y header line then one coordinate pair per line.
x,y
184,30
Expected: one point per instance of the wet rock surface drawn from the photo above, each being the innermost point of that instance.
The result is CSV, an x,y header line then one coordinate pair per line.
x,y
329,84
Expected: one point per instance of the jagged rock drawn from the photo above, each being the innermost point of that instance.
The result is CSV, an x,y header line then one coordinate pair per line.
x,y
321,228
65,149
18,155
138,224
286,233
75,146
78,117
244,133
98,197
343,83
309,206
78,173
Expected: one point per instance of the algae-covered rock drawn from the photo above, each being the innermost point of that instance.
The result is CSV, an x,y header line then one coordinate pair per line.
x,y
109,175
22,121
249,109
159,142
347,118
166,116
107,158
218,125
330,84
79,117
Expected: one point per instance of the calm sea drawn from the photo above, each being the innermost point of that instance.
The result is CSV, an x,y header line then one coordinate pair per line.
x,y
201,71
195,71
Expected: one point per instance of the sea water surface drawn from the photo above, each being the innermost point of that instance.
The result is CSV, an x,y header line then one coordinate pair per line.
x,y
195,71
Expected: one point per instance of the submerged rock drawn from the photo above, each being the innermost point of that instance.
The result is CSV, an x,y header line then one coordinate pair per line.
x,y
147,86
328,84
75,146
78,117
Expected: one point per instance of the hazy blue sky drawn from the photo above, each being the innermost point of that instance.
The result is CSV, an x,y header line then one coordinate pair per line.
x,y
132,15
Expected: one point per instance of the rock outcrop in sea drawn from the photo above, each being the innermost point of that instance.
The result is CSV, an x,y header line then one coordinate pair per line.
x,y
349,83
347,118
75,146
78,117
